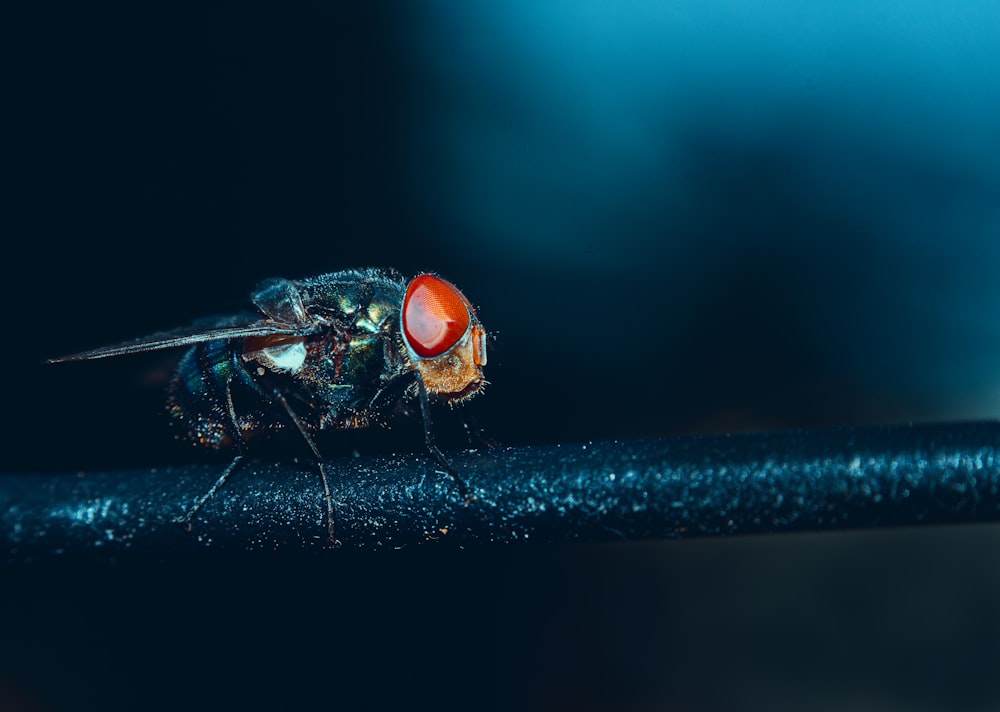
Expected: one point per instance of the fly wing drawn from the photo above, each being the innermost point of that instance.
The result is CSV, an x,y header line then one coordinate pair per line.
x,y
185,337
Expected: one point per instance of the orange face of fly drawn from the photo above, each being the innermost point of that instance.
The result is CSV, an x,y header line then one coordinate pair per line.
x,y
444,339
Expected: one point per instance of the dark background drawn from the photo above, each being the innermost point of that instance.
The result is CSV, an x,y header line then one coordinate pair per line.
x,y
674,218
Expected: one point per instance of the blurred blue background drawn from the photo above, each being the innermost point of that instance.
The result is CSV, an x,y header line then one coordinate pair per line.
x,y
725,214
673,217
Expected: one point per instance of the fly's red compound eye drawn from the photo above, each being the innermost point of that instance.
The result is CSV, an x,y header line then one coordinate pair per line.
x,y
435,315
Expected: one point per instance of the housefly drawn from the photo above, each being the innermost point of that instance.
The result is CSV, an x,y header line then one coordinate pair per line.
x,y
339,351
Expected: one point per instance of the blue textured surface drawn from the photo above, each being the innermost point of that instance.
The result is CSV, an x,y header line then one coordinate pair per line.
x,y
676,487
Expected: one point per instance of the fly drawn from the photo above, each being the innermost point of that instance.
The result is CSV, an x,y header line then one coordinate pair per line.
x,y
341,351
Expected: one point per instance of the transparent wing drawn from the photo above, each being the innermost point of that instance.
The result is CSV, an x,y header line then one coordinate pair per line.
x,y
184,337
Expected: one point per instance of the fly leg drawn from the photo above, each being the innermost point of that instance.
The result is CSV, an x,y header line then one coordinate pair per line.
x,y
185,519
399,389
425,411
278,396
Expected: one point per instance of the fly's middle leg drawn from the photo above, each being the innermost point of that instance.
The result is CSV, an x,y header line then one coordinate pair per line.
x,y
278,396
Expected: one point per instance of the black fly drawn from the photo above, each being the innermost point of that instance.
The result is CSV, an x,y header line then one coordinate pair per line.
x,y
339,351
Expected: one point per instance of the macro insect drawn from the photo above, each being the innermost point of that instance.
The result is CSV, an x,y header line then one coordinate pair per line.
x,y
343,350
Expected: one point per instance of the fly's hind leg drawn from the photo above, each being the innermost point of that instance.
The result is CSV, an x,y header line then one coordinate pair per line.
x,y
185,519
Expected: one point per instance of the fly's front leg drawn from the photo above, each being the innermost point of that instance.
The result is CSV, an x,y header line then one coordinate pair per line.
x,y
425,411
398,389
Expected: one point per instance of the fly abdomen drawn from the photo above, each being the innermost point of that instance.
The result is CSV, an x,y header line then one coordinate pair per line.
x,y
201,395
